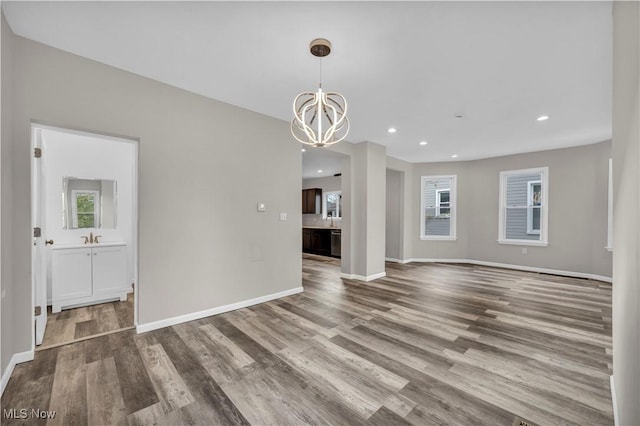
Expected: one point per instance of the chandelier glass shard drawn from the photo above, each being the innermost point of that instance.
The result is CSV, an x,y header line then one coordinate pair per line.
x,y
320,118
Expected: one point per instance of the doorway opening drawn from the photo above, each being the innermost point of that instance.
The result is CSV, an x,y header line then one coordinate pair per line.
x,y
325,207
84,210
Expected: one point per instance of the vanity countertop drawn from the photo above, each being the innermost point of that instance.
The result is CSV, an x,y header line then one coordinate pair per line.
x,y
63,246
321,227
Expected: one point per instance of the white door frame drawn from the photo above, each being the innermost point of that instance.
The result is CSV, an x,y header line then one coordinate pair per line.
x,y
38,249
135,199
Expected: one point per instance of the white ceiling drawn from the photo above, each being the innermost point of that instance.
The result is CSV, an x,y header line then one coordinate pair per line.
x,y
411,65
320,162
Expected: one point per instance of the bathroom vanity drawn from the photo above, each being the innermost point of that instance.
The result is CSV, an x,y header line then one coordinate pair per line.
x,y
87,274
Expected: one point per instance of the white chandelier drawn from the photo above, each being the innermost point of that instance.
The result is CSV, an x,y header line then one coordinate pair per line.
x,y
320,119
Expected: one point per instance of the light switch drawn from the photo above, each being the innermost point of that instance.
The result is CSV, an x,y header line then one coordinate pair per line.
x,y
524,250
262,207
283,216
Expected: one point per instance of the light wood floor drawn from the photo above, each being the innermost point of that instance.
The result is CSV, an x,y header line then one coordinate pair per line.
x,y
77,324
428,344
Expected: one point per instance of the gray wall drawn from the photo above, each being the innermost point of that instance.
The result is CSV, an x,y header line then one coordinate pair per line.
x,y
374,186
194,151
626,241
11,343
578,179
406,214
394,223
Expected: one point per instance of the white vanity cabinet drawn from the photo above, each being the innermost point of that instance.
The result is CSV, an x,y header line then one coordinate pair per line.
x,y
88,274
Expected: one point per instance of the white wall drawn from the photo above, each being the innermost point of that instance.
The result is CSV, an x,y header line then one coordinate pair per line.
x,y
203,167
626,222
72,154
328,183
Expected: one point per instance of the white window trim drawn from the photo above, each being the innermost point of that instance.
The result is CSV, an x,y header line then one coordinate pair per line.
x,y
544,218
609,246
324,204
453,208
530,206
74,206
438,191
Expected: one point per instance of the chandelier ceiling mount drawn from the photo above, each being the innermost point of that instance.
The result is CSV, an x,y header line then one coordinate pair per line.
x,y
320,118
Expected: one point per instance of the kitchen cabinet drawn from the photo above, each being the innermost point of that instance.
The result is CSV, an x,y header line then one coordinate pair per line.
x,y
312,201
318,241
88,275
306,240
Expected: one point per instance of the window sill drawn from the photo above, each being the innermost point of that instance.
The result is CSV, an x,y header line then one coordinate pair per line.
x,y
437,238
524,243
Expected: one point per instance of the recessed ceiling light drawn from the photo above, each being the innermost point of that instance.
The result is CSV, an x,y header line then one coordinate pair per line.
x,y
304,150
319,171
454,156
542,118
424,143
392,130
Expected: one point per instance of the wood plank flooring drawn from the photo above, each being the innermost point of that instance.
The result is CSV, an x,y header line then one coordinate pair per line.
x,y
77,324
430,344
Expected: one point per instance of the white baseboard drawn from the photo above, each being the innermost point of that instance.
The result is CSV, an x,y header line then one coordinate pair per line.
x,y
613,401
394,260
143,328
16,359
518,267
362,277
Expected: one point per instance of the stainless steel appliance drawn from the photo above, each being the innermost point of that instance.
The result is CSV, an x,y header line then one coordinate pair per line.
x,y
336,237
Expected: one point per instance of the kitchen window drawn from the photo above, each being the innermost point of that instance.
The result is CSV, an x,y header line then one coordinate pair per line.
x,y
438,208
523,213
332,204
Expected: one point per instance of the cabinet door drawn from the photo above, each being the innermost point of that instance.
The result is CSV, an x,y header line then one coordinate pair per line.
x,y
305,193
311,201
325,242
306,240
109,269
70,273
308,201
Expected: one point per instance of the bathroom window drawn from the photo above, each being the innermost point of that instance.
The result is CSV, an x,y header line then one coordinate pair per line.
x,y
332,205
524,207
85,208
438,208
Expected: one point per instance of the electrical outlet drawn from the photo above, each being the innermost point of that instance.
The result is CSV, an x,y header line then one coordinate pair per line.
x,y
262,207
283,216
524,250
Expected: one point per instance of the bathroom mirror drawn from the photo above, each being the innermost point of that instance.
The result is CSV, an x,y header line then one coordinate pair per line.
x,y
88,203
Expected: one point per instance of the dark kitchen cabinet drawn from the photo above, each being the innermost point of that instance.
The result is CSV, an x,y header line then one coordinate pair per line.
x,y
318,241
306,240
311,201
321,241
